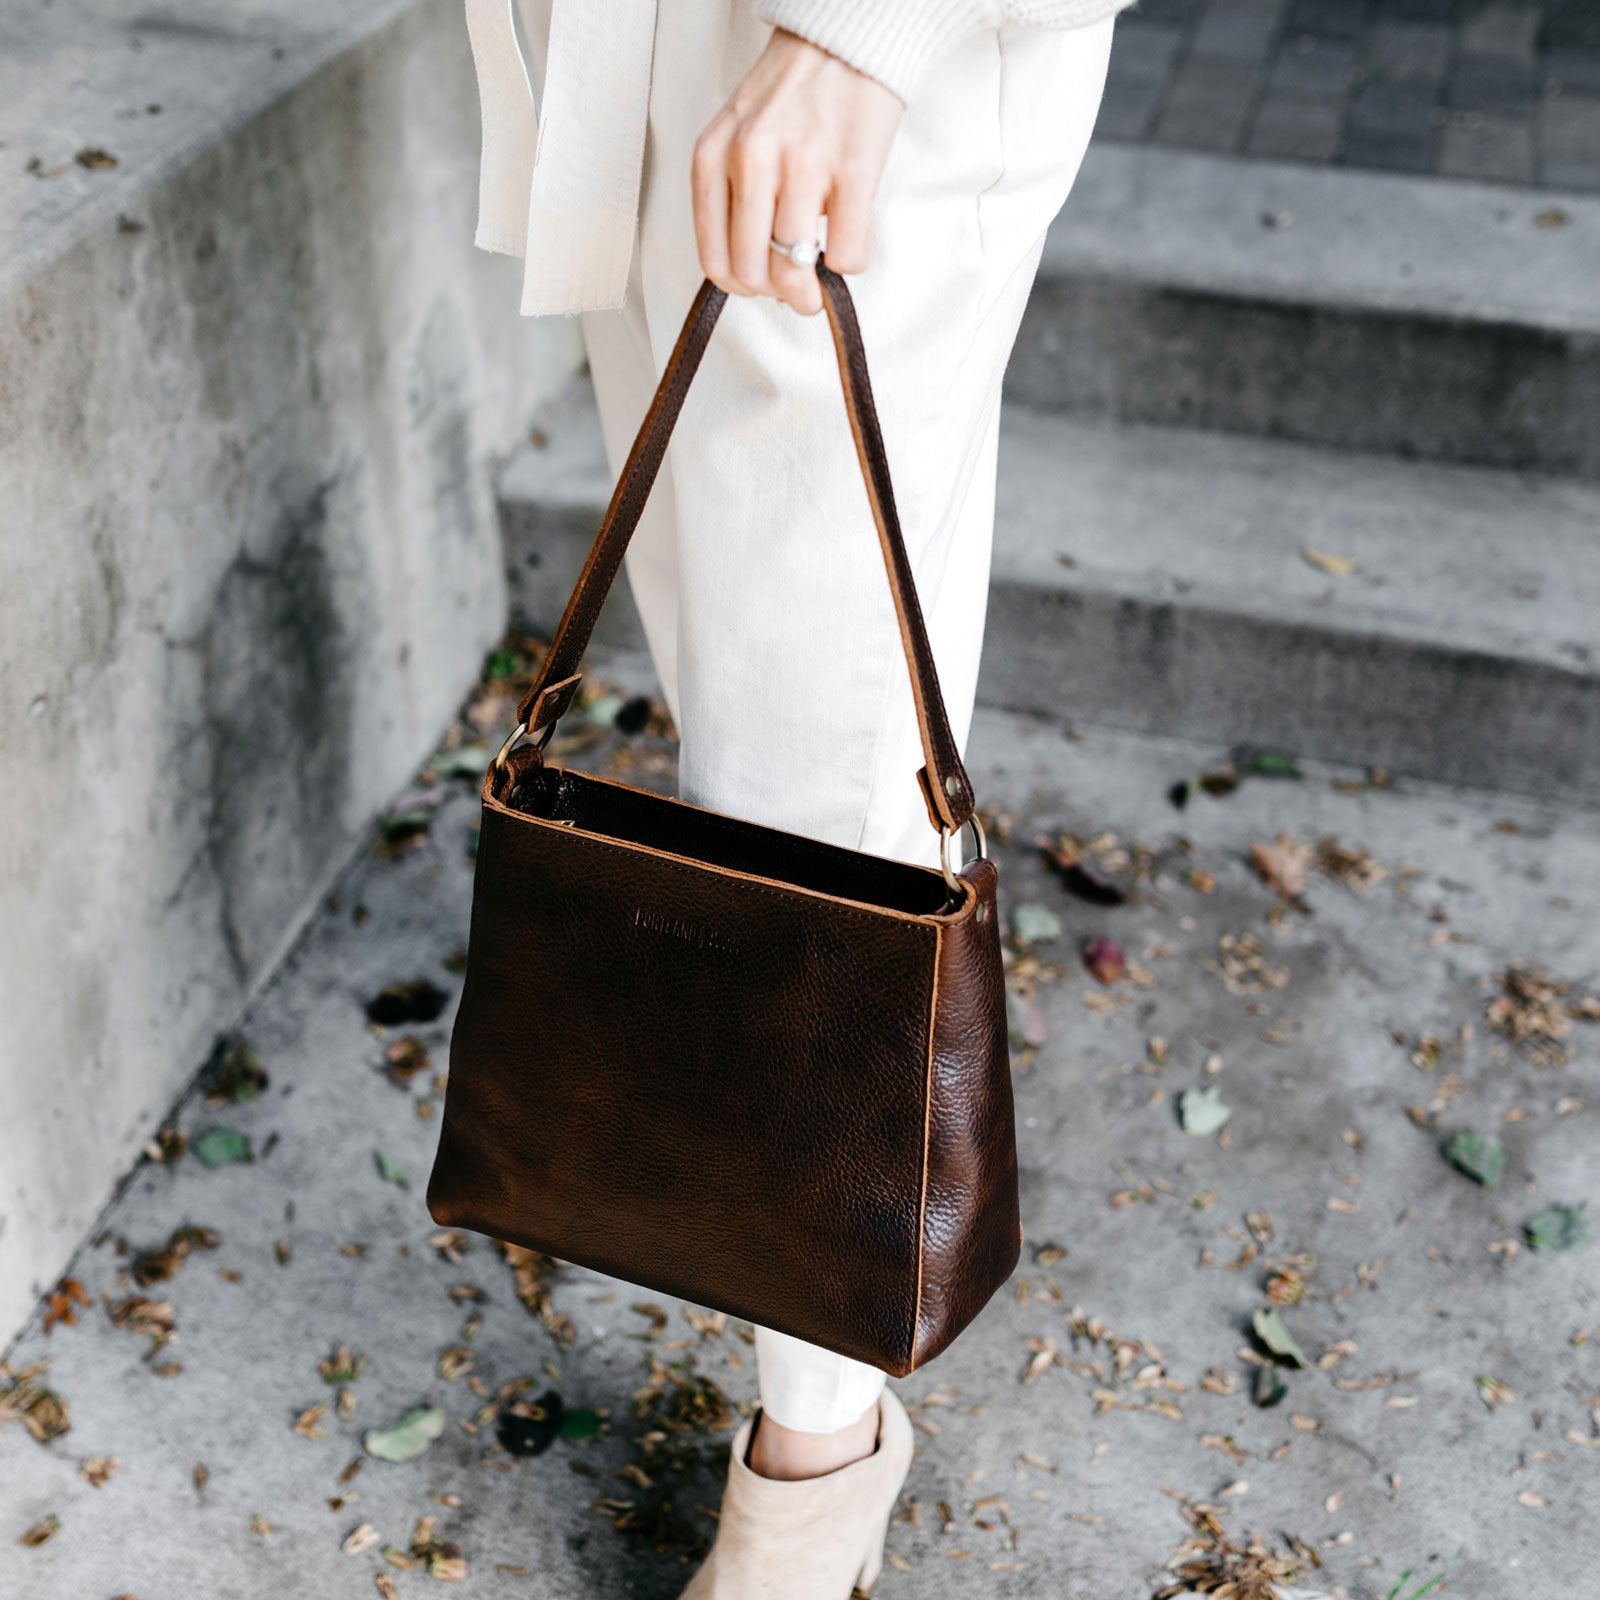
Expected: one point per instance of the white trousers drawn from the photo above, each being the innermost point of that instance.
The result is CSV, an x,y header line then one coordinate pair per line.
x,y
756,567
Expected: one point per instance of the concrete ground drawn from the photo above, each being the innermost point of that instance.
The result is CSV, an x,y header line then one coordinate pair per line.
x,y
1497,90
1451,1402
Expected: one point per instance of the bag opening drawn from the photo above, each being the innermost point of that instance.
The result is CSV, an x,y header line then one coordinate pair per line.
x,y
634,816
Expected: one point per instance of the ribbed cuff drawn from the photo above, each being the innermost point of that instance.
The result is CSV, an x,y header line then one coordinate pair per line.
x,y
894,41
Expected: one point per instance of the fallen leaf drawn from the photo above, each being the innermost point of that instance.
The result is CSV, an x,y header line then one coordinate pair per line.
x,y
1559,1228
1270,1328
1481,1157
235,1074
406,1057
1105,959
1024,1022
1034,924
1284,865
1337,566
581,1423
407,1438
1202,1111
220,1147
390,1170
62,1301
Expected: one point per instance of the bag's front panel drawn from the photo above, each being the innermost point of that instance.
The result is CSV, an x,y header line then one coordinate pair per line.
x,y
700,1083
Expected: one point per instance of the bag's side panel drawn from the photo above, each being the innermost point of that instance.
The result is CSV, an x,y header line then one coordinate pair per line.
x,y
971,1227
696,1082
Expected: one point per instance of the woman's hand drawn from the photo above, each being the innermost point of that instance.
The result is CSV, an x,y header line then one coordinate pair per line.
x,y
802,136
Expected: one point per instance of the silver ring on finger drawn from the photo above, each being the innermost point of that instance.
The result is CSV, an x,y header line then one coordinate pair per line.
x,y
803,253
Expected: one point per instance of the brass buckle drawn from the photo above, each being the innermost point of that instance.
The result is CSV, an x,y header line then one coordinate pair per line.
x,y
945,836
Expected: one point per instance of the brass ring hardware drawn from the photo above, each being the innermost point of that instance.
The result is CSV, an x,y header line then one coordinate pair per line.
x,y
945,836
516,733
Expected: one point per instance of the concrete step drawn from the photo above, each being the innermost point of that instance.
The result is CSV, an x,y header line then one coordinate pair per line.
x,y
252,374
1452,320
1155,579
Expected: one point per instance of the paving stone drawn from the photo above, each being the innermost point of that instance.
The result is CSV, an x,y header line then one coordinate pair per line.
x,y
1129,107
1312,66
1569,141
1445,11
1391,126
1495,59
1145,50
1236,32
1297,130
1180,12
1510,31
1492,83
1208,105
1408,52
1571,72
1570,25
1487,148
1328,19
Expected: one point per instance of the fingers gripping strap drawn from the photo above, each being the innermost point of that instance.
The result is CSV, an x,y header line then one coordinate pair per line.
x,y
945,787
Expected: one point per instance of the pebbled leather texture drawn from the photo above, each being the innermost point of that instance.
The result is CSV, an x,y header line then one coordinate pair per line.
x,y
758,1071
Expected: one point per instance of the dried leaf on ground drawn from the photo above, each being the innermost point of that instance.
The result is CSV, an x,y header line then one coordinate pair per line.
x,y
1349,865
405,1058
62,1302
1530,1011
1210,1563
360,1539
40,1410
45,1529
158,1265
342,1366
1078,877
153,1319
235,1074
532,1272
1105,958
1284,865
1241,963
1334,566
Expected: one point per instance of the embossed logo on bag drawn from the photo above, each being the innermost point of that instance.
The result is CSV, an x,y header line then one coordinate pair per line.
x,y
695,933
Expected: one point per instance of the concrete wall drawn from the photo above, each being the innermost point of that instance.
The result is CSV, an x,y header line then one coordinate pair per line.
x,y
249,560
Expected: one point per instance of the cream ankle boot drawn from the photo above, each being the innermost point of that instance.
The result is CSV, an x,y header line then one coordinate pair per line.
x,y
806,1538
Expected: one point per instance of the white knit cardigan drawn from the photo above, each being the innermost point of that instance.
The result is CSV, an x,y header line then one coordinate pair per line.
x,y
559,184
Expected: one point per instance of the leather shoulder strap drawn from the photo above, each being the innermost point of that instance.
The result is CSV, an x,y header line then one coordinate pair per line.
x,y
943,779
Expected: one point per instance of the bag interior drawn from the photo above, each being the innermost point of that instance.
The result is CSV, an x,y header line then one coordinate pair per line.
x,y
633,816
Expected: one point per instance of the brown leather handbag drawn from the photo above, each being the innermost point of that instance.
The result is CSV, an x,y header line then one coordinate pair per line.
x,y
745,1067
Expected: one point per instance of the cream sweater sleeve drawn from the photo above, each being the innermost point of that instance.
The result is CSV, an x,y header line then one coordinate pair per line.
x,y
897,41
